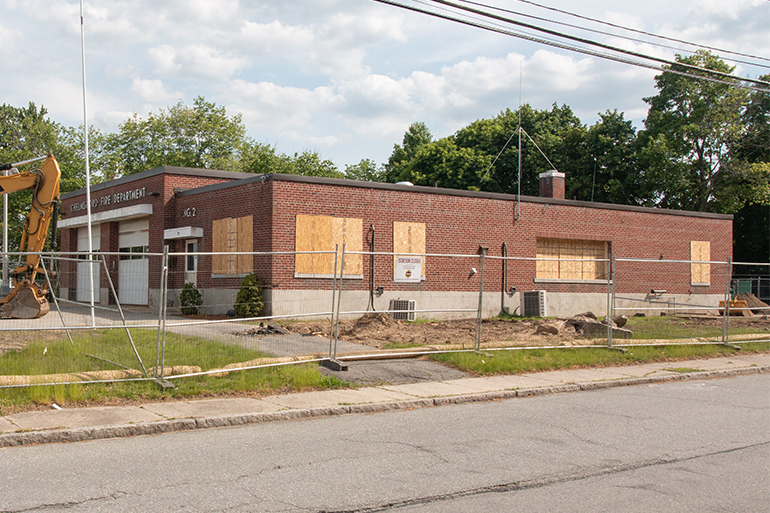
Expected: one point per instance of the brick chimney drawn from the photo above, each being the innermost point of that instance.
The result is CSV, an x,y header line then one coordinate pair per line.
x,y
552,185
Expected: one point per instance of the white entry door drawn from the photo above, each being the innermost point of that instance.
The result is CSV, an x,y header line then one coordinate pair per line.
x,y
133,265
84,266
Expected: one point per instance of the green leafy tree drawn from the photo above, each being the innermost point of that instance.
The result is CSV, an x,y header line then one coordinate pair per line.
x,y
366,171
308,163
26,133
608,169
201,136
692,129
416,136
484,154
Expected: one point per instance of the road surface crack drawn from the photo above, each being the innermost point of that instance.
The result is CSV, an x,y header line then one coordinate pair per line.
x,y
540,482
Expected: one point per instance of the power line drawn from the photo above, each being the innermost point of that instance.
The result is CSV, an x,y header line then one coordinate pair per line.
x,y
597,44
573,48
611,34
587,18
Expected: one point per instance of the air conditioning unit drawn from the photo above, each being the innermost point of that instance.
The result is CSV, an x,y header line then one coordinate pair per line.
x,y
402,309
533,304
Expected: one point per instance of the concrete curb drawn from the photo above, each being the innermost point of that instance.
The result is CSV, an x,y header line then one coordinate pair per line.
x,y
173,426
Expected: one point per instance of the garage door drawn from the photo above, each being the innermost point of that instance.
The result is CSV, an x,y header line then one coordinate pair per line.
x,y
83,280
133,265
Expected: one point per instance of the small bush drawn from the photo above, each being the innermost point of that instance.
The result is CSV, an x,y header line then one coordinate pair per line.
x,y
249,302
190,299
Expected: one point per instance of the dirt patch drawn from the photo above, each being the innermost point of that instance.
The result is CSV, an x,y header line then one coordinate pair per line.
x,y
18,340
381,330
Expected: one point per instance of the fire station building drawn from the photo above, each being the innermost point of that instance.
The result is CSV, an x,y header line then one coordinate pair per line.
x,y
219,212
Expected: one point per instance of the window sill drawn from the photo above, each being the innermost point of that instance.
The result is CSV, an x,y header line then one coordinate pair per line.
x,y
700,284
329,276
579,282
243,275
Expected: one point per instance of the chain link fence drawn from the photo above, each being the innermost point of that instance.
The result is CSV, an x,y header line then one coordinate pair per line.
x,y
135,315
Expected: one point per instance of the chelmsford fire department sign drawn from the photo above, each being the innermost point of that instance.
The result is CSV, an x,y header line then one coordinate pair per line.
x,y
408,269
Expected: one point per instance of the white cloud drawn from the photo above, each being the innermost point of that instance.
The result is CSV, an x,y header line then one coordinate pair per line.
x,y
265,103
153,91
195,60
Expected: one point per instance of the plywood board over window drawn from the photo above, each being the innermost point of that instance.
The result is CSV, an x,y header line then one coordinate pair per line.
x,y
571,259
232,235
409,238
324,233
700,251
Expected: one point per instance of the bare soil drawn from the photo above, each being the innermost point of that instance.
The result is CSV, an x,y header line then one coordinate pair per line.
x,y
381,330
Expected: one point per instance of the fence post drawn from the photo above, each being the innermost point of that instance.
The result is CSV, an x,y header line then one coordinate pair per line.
x,y
160,352
726,310
481,300
339,301
610,299
334,301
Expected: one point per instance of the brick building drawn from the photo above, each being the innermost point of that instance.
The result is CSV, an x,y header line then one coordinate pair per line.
x,y
193,210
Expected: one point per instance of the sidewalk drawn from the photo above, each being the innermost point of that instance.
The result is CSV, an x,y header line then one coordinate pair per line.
x,y
80,424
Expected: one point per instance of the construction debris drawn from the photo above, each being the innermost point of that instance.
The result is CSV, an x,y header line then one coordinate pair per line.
x,y
755,304
270,329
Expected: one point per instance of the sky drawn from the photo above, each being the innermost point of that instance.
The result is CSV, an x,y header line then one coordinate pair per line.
x,y
344,78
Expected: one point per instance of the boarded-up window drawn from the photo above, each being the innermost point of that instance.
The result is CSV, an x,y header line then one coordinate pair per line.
x,y
232,235
324,233
700,251
568,259
408,238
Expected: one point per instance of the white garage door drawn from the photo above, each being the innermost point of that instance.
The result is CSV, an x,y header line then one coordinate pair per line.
x,y
133,266
83,281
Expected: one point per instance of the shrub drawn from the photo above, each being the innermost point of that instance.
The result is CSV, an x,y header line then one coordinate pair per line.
x,y
190,299
249,302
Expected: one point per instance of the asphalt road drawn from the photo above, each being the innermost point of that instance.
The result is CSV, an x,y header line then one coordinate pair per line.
x,y
679,447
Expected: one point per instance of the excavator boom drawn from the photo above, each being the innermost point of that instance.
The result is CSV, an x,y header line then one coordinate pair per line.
x,y
27,299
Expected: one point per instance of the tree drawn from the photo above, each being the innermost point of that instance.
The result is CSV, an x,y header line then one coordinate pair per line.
x,y
308,163
27,133
366,171
201,136
486,152
445,164
609,171
692,129
754,144
416,136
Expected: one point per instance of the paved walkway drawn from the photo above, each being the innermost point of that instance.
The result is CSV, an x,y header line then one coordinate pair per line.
x,y
79,424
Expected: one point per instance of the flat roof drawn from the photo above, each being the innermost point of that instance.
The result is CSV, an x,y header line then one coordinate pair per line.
x,y
169,170
445,192
238,179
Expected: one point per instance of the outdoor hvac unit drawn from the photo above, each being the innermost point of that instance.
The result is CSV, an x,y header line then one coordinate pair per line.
x,y
533,304
402,309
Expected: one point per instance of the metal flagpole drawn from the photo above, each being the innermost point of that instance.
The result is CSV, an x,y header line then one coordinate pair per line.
x,y
88,171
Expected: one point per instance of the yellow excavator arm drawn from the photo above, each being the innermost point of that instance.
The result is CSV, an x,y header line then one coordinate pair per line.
x,y
27,299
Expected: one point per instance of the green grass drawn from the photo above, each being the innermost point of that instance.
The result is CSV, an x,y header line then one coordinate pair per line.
x,y
532,360
270,380
59,356
401,345
647,328
54,356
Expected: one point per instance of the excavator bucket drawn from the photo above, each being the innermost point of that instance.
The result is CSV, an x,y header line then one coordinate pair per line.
x,y
25,304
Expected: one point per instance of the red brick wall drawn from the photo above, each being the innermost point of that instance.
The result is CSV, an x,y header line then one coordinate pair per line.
x,y
459,225
454,225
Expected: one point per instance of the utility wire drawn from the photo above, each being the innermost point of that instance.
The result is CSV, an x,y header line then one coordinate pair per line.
x,y
611,34
585,51
597,44
594,20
